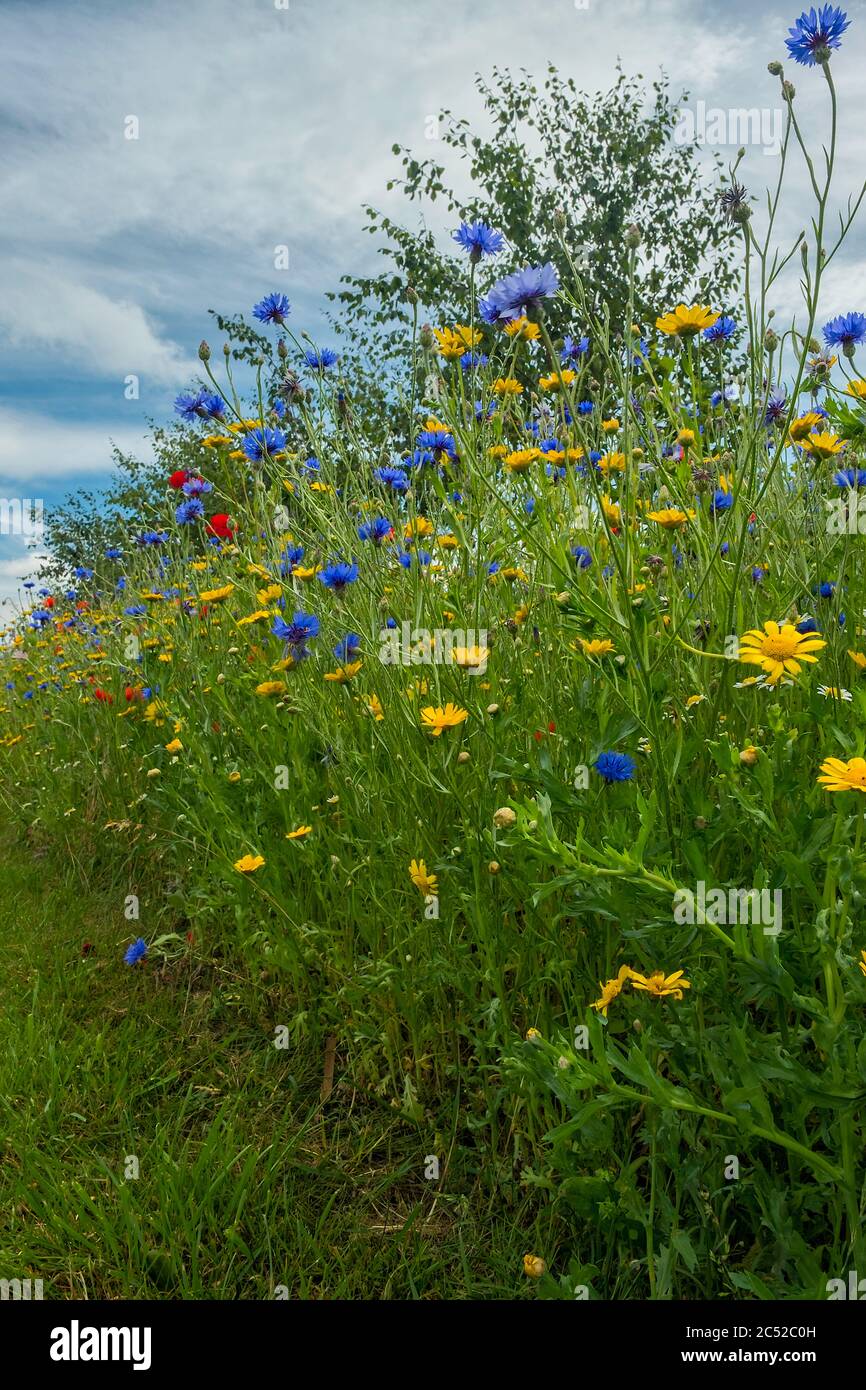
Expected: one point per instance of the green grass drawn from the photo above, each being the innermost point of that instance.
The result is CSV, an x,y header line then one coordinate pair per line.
x,y
248,1180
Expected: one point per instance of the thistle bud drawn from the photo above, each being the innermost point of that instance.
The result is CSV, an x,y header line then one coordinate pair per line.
x,y
775,68
632,236
771,340
203,351
560,221
789,91
411,294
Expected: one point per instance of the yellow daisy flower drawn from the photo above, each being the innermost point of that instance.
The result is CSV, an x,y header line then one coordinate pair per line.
x,y
435,719
778,650
685,322
839,776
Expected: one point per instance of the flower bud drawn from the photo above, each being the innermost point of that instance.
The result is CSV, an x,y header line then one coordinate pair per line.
x,y
775,68
504,818
533,1266
749,756
203,351
632,236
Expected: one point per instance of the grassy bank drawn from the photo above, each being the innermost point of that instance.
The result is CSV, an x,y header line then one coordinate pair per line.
x,y
248,1179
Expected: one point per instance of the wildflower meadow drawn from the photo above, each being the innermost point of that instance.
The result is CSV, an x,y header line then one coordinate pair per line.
x,y
450,796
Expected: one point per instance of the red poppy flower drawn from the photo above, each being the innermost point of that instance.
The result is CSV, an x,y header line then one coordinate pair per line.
x,y
49,602
551,728
219,526
103,695
178,478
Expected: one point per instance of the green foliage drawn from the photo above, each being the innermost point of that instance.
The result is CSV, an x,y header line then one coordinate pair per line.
x,y
604,162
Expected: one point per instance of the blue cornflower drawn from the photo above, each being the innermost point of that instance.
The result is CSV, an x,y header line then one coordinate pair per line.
x,y
311,465
135,610
478,239
440,441
377,530
582,556
529,505
392,477
807,625
846,331
758,574
585,408
200,404
777,408
136,952
339,575
190,510
152,538
723,397
573,349
615,767
550,446
419,457
188,404
349,647
274,308
814,32
722,501
321,361
290,558
113,553
473,359
259,441
520,293
720,331
850,477
196,487
212,405
825,589
302,628
40,618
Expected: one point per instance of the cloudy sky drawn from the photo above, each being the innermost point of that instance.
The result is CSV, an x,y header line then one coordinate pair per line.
x,y
263,123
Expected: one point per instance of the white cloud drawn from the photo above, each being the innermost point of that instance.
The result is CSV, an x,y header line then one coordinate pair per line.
x,y
36,448
85,327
